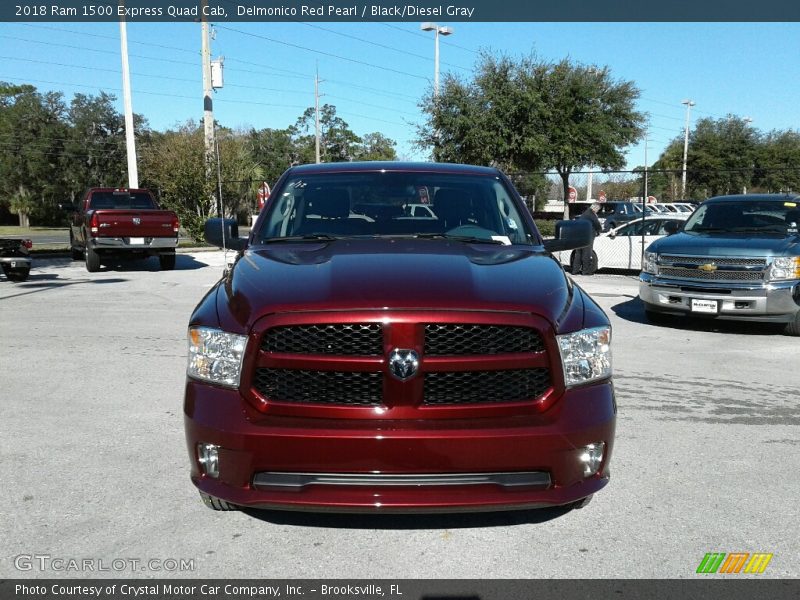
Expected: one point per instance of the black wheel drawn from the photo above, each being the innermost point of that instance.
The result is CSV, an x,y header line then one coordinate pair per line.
x,y
216,503
92,260
793,327
16,274
167,261
75,252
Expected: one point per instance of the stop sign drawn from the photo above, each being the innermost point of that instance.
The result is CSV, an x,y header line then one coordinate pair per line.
x,y
601,197
263,194
572,194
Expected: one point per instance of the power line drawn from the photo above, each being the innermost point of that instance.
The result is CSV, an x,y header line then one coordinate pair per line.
x,y
323,53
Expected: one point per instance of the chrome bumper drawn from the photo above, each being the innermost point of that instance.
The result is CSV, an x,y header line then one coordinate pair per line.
x,y
777,301
149,243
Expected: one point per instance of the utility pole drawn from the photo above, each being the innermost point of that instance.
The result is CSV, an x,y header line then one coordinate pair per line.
x,y
208,104
689,104
316,113
130,140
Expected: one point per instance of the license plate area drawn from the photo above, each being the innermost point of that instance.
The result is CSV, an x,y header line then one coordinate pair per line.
x,y
705,306
136,241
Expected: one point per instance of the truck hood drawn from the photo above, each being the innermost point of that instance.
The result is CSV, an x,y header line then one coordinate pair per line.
x,y
391,274
702,244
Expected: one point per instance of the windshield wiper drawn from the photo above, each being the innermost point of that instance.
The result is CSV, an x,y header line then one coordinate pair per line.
x,y
470,239
314,237
774,228
703,228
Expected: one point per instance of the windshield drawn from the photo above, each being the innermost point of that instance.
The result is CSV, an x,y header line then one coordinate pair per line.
x,y
375,204
746,216
121,200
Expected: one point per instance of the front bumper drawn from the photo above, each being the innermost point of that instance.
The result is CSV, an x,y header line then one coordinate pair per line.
x,y
251,444
776,302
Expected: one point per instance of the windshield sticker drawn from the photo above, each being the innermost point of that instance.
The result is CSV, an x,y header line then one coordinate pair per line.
x,y
504,239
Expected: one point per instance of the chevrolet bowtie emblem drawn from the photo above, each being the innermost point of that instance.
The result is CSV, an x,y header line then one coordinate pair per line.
x,y
708,267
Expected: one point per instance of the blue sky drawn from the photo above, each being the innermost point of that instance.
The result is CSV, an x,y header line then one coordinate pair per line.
x,y
375,73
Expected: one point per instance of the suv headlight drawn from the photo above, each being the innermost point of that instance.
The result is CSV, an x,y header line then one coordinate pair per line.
x,y
215,355
783,268
585,355
649,263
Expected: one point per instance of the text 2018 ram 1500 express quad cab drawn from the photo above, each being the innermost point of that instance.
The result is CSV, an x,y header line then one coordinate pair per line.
x,y
358,358
736,257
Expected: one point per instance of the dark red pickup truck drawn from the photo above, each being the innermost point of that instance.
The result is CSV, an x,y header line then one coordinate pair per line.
x,y
121,222
356,358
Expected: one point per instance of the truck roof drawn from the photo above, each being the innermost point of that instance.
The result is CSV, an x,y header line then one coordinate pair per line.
x,y
400,166
756,197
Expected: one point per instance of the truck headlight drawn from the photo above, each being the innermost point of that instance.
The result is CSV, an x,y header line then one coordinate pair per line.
x,y
783,268
215,355
585,355
649,263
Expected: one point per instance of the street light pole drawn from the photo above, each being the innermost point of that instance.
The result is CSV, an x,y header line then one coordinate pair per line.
x,y
689,104
437,32
130,140
747,121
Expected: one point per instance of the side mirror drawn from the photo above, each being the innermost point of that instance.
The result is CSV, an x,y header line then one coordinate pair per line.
x,y
224,233
570,235
671,227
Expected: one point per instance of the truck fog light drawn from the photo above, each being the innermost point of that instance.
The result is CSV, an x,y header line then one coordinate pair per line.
x,y
208,457
592,457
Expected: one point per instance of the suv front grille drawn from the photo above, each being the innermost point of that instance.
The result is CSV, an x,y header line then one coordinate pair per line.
x,y
326,387
719,275
344,339
701,260
472,387
456,339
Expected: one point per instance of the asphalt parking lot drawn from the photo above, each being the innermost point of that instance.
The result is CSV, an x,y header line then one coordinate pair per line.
x,y
95,466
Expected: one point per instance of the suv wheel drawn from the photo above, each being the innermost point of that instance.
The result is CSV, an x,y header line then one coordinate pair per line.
x,y
793,327
16,274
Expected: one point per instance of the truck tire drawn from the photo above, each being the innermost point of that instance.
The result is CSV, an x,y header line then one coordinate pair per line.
x,y
76,252
16,274
167,261
216,503
793,327
92,260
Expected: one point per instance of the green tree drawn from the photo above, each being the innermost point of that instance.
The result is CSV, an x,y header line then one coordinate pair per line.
x,y
273,151
778,162
173,165
22,205
533,115
337,142
376,146
32,135
722,156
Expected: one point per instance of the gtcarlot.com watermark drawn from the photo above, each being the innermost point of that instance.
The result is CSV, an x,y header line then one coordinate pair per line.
x,y
63,564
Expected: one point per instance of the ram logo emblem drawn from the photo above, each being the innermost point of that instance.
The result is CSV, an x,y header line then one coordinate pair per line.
x,y
403,364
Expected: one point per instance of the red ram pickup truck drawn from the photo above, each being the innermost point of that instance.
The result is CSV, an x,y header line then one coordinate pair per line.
x,y
121,223
356,358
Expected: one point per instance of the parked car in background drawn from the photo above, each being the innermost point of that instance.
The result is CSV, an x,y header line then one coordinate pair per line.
x,y
614,213
355,358
15,258
621,247
420,211
117,222
736,257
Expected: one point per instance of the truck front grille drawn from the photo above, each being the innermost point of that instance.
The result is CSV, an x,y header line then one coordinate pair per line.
x,y
344,339
719,275
472,387
325,387
347,364
455,339
728,268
